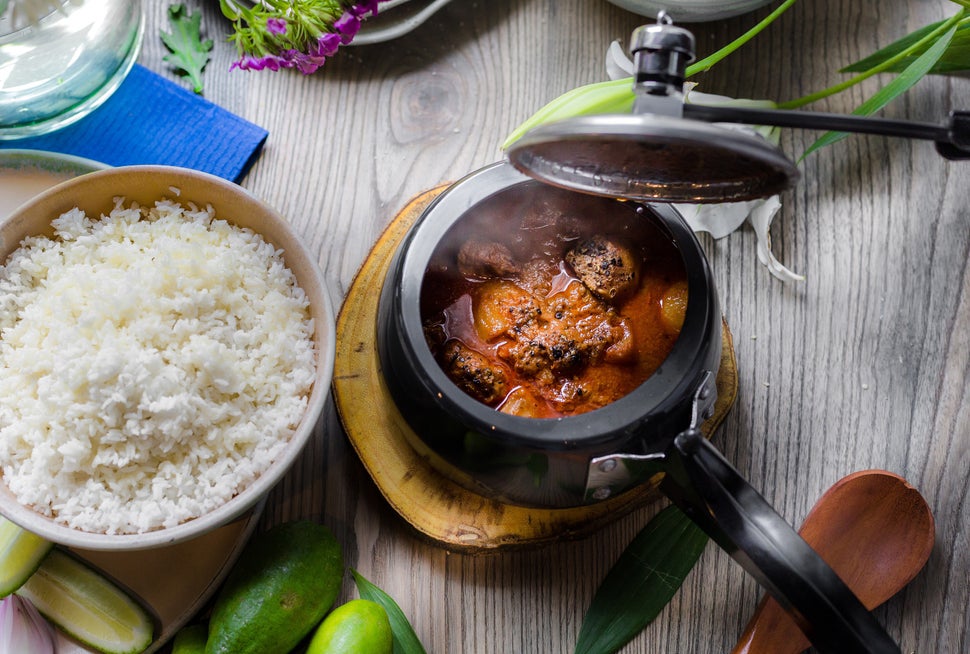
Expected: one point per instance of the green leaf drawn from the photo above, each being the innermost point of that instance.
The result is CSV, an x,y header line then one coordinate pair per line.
x,y
955,59
614,96
903,82
405,640
189,53
641,582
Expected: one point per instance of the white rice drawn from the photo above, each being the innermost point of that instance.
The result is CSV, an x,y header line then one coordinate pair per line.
x,y
153,364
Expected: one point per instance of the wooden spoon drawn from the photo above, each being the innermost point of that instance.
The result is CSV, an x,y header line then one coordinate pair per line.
x,y
875,530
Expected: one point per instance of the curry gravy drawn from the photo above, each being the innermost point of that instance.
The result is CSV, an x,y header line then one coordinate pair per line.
x,y
550,304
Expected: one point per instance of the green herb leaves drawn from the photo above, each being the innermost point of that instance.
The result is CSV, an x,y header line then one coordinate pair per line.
x,y
641,582
955,58
189,53
405,640
913,73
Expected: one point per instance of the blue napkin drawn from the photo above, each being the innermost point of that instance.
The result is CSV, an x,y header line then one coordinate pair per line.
x,y
150,120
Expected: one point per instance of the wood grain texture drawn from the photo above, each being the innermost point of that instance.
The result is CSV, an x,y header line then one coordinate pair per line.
x,y
863,365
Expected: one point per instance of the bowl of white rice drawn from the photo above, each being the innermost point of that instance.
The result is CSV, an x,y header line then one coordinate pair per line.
x,y
166,350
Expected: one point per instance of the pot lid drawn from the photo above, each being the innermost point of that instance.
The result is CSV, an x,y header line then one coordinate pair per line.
x,y
668,151
650,157
655,153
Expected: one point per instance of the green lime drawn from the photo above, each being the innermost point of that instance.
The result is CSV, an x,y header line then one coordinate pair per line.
x,y
190,639
20,555
357,627
285,581
88,606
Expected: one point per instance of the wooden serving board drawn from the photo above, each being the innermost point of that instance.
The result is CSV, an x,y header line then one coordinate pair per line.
x,y
439,509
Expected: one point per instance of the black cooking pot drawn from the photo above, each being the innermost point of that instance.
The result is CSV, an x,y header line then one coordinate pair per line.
x,y
540,462
589,457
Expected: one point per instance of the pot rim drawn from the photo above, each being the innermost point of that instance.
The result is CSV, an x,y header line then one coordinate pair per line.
x,y
660,394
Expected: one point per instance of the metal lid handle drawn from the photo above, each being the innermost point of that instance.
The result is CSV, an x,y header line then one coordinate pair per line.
x,y
661,53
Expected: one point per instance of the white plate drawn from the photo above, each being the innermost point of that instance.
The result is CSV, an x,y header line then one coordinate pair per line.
x,y
396,18
25,173
691,11
174,581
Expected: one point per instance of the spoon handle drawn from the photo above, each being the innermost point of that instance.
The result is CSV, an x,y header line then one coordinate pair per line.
x,y
771,630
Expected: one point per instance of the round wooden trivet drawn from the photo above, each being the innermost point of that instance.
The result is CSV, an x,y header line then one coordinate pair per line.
x,y
440,510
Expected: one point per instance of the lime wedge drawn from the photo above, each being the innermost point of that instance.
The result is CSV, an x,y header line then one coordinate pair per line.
x,y
88,606
20,555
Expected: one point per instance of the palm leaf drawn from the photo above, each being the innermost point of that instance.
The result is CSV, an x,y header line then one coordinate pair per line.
x,y
405,640
900,84
641,582
955,59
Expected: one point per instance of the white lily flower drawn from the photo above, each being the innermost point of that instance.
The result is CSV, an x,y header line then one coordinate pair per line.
x,y
722,219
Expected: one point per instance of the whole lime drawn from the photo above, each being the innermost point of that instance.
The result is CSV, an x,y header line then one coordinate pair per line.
x,y
190,639
357,627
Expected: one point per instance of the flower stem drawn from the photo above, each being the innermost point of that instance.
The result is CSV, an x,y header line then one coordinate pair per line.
x,y
887,64
707,62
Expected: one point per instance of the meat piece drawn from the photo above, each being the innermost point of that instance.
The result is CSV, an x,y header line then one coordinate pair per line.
x,y
485,260
474,373
536,276
595,326
575,331
623,349
547,350
607,268
435,335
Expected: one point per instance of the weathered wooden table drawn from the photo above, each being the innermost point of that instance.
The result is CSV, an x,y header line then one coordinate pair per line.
x,y
863,365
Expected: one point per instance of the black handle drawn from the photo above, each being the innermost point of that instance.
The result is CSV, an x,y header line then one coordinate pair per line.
x,y
952,140
709,490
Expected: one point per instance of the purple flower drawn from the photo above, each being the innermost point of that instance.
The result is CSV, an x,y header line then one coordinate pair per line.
x,y
271,62
326,45
276,25
364,7
307,63
347,27
265,40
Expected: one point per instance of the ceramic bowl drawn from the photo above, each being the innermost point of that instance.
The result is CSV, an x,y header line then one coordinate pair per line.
x,y
94,193
691,11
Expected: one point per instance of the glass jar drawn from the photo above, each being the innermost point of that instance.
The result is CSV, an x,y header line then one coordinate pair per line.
x,y
60,59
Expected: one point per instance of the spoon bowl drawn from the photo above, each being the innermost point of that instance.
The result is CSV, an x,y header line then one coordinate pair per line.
x,y
875,530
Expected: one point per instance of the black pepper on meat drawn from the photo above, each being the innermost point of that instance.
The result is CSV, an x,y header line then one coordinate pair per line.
x,y
473,372
606,267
